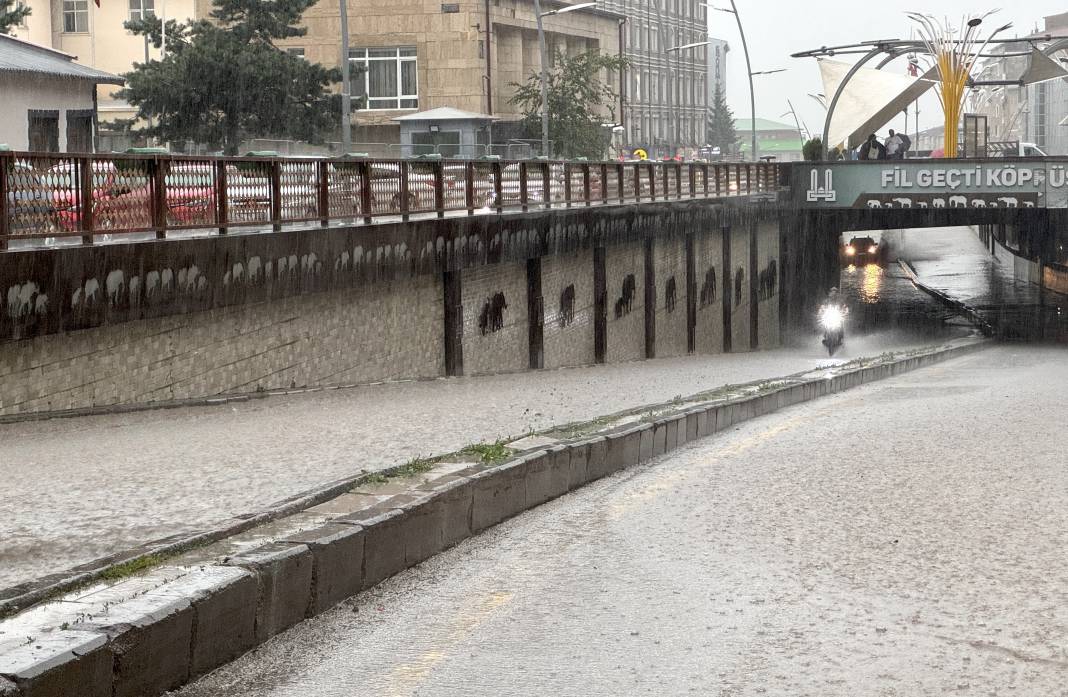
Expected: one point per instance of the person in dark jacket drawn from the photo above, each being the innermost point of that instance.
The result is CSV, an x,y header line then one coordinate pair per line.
x,y
872,149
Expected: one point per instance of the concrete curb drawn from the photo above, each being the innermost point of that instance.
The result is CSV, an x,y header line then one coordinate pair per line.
x,y
150,633
967,310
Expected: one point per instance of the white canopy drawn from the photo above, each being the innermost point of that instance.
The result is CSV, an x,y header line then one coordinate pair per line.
x,y
870,101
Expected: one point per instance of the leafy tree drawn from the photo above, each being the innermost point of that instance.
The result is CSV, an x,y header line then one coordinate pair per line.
x,y
577,99
721,133
11,15
224,79
813,150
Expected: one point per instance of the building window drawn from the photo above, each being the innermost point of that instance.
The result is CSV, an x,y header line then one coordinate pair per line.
x,y
295,51
76,16
387,77
140,9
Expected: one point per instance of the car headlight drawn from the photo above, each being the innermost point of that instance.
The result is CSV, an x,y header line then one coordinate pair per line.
x,y
871,249
850,251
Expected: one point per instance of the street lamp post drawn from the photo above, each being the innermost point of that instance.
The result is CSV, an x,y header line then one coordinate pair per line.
x,y
748,70
346,82
543,53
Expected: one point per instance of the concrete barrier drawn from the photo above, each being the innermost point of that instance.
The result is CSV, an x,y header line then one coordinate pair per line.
x,y
150,633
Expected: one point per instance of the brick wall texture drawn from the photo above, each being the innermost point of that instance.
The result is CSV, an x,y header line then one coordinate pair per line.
x,y
669,259
386,331
740,304
626,332
395,329
568,343
708,256
768,252
507,348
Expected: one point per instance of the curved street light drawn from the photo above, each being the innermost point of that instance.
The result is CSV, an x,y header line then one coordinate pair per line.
x,y
748,69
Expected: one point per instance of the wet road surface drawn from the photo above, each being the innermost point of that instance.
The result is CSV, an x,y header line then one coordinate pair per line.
x,y
956,262
903,538
78,489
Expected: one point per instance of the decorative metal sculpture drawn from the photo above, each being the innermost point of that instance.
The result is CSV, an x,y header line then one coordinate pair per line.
x,y
953,52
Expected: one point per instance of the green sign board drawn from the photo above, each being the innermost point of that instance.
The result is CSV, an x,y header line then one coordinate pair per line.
x,y
933,184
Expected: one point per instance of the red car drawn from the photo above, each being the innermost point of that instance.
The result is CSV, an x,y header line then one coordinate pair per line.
x,y
122,198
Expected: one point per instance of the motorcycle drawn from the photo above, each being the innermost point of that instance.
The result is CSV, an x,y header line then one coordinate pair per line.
x,y
832,321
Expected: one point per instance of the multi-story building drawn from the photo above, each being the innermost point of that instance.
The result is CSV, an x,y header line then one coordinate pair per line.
x,y
418,55
1036,113
717,67
97,38
667,90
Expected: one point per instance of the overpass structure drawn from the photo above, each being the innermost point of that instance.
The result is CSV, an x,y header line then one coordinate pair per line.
x,y
174,278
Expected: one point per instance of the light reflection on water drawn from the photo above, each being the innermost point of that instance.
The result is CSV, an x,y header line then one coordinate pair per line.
x,y
868,280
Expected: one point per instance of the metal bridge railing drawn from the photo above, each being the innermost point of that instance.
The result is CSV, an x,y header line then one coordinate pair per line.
x,y
50,196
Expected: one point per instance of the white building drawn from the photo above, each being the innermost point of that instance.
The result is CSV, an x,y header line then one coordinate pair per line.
x,y
666,101
717,67
49,102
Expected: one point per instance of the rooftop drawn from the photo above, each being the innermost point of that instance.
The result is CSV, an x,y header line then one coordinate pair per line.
x,y
19,56
745,123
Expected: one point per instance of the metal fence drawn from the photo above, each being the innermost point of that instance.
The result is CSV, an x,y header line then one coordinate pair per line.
x,y
49,196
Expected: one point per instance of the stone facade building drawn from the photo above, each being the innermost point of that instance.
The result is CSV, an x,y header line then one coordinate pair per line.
x,y
418,55
667,91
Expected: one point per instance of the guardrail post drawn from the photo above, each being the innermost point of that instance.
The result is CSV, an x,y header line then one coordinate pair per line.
x,y
567,183
404,207
324,193
159,197
86,196
748,179
604,182
523,185
704,177
652,182
222,203
692,175
546,186
678,180
637,183
5,224
586,183
498,185
276,195
664,180
439,188
365,191
469,187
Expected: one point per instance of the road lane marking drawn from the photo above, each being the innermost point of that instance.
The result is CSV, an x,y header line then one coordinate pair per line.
x,y
406,677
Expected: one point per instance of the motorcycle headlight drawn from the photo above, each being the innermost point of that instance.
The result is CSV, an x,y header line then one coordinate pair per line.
x,y
831,317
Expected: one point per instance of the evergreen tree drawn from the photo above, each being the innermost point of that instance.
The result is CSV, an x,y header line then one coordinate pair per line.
x,y
721,133
224,80
12,13
577,99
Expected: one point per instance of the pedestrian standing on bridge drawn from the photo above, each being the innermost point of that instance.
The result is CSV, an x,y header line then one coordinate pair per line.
x,y
897,145
872,149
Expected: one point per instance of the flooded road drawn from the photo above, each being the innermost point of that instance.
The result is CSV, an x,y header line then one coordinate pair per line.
x,y
902,538
956,262
79,489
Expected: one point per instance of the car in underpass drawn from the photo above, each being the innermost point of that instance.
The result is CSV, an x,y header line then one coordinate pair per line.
x,y
860,251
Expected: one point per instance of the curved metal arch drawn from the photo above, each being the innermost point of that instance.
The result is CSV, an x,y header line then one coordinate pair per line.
x,y
841,89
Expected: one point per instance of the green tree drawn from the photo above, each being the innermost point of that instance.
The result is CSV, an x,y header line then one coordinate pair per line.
x,y
578,99
721,133
224,79
12,13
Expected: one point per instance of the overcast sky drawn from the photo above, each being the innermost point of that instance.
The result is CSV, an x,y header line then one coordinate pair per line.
x,y
777,28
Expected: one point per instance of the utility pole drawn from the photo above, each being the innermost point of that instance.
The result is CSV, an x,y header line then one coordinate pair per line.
x,y
544,82
346,82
